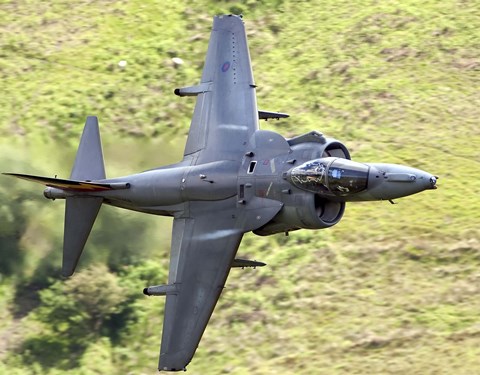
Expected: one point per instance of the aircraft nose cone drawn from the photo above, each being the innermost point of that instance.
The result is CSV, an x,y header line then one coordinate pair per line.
x,y
425,179
390,181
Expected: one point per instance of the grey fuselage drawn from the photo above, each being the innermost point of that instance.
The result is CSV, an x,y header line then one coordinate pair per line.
x,y
274,168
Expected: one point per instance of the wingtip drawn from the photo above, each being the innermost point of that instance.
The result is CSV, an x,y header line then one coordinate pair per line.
x,y
177,361
231,17
172,369
67,272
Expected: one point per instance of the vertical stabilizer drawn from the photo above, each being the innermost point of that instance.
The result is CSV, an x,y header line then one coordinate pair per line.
x,y
89,160
81,211
80,214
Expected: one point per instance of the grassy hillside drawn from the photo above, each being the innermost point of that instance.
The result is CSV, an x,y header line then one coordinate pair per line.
x,y
390,289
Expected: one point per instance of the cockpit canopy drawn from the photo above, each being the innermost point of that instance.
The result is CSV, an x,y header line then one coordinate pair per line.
x,y
340,177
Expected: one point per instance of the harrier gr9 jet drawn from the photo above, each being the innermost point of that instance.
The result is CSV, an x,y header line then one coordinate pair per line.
x,y
234,178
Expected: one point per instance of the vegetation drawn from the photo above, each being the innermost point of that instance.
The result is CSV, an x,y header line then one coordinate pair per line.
x,y
391,289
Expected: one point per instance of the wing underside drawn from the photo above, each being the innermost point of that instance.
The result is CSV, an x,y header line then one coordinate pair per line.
x,y
225,114
204,245
200,274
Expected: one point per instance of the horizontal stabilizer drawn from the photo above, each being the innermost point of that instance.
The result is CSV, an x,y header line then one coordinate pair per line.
x,y
237,263
71,185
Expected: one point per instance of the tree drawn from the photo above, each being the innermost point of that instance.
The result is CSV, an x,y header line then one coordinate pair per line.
x,y
73,314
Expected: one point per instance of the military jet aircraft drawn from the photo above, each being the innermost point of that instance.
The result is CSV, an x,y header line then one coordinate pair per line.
x,y
234,178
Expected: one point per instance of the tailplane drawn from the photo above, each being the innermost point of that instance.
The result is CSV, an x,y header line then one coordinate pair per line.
x,y
71,187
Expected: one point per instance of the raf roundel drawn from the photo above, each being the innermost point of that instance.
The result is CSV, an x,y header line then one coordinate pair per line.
x,y
225,66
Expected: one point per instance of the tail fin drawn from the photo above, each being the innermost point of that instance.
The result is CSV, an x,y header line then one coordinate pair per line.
x,y
81,212
89,160
81,209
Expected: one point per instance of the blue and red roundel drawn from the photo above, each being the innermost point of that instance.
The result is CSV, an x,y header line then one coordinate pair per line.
x,y
225,66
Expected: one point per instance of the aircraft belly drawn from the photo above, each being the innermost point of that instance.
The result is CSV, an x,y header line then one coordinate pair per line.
x,y
165,187
211,181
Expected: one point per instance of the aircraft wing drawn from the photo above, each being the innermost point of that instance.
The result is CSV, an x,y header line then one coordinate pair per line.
x,y
204,244
206,235
225,114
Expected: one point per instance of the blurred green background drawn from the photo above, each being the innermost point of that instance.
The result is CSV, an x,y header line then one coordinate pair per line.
x,y
389,290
